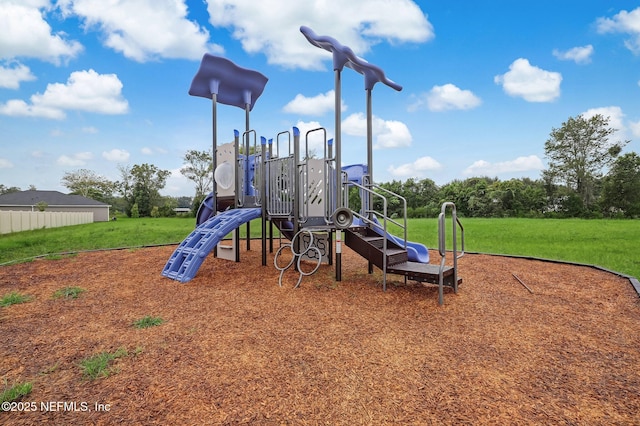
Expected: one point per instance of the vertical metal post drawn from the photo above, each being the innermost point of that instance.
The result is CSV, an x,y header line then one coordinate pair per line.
x,y
236,232
214,159
265,198
369,152
263,195
338,148
246,168
214,163
296,184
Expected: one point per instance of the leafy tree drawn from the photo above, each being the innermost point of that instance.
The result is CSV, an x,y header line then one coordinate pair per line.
x,y
578,152
621,188
141,185
198,167
88,184
7,189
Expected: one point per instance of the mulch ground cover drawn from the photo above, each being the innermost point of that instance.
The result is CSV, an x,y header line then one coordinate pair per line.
x,y
236,348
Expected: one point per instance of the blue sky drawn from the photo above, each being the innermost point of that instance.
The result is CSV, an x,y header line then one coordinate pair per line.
x,y
93,84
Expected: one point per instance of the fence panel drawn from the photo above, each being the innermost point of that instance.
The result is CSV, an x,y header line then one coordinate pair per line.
x,y
16,221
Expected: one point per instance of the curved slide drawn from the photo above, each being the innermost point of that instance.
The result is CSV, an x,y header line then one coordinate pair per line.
x,y
188,256
417,252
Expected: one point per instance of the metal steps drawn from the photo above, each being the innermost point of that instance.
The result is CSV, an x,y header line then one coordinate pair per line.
x,y
370,245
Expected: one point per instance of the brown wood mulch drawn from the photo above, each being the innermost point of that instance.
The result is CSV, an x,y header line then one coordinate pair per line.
x,y
236,348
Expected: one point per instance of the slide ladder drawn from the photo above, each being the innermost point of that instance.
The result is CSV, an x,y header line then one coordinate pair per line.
x,y
186,259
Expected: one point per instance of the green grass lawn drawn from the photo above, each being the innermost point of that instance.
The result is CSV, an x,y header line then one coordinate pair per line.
x,y
607,243
612,244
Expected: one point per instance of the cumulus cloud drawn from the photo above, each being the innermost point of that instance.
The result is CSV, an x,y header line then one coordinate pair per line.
x,y
616,120
5,164
580,55
160,28
24,32
317,105
83,91
635,128
266,27
116,155
447,97
74,160
386,133
529,82
12,75
626,23
415,169
520,164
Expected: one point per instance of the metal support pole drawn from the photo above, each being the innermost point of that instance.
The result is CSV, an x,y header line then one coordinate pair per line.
x,y
214,160
370,152
263,196
264,201
246,167
338,148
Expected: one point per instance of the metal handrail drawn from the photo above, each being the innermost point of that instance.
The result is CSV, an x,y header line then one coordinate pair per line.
x,y
369,191
442,242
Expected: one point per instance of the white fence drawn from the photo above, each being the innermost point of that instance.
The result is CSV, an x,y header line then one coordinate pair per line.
x,y
16,221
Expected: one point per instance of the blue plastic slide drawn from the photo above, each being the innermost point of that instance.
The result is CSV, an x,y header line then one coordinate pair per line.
x,y
186,259
417,252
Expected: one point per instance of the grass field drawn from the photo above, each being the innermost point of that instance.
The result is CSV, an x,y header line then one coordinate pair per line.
x,y
607,243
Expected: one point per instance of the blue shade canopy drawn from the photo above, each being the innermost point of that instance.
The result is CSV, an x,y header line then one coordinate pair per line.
x,y
343,55
233,85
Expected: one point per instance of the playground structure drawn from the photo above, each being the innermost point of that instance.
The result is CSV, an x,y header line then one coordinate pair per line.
x,y
306,198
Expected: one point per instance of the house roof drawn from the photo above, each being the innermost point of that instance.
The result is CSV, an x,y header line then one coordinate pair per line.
x,y
52,198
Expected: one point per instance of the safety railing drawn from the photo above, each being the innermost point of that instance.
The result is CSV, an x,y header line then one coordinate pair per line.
x,y
378,220
442,247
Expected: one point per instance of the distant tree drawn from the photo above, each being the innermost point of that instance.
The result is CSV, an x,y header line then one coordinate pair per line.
x,y
578,152
42,206
88,184
198,167
621,187
8,189
141,185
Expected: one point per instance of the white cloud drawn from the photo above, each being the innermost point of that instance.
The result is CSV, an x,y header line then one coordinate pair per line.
x,y
448,97
268,27
178,185
90,130
78,159
520,164
635,128
146,151
415,169
626,23
531,83
386,133
11,76
317,105
144,30
580,55
116,155
25,33
84,91
5,164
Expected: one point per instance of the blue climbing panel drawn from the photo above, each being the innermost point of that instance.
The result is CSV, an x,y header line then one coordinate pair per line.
x,y
185,261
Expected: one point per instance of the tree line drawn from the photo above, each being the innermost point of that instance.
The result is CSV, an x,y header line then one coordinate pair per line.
x,y
587,176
